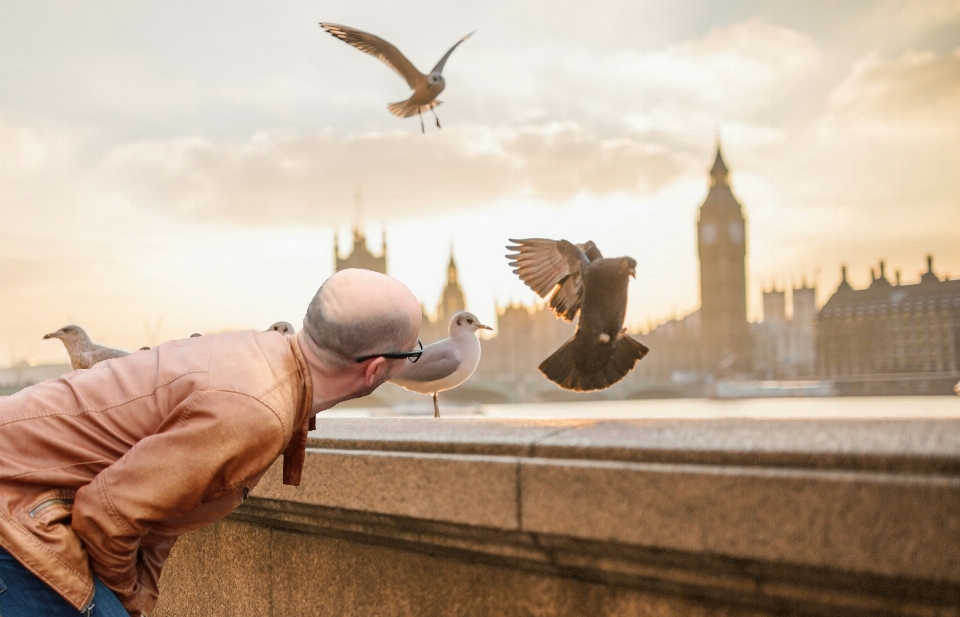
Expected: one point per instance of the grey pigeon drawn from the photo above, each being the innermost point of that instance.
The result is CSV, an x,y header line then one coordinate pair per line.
x,y
426,88
84,353
447,363
283,327
577,278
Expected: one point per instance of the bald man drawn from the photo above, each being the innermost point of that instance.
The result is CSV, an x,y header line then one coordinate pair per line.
x,y
102,469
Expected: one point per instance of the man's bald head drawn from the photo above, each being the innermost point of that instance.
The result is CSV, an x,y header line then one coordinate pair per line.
x,y
359,312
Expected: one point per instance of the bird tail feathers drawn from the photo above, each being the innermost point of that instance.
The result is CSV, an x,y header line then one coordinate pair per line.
x,y
584,372
405,109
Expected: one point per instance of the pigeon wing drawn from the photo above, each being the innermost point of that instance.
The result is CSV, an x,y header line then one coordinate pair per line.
x,y
590,250
438,361
380,49
443,60
551,266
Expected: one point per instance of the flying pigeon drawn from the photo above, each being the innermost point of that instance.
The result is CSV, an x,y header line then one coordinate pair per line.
x,y
577,278
283,327
84,353
426,88
446,364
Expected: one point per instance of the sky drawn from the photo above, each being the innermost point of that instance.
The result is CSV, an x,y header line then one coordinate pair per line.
x,y
169,167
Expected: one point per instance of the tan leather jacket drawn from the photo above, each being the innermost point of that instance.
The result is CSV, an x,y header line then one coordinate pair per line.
x,y
103,468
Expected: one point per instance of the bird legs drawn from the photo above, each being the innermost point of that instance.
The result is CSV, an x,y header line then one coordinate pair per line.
x,y
436,406
435,117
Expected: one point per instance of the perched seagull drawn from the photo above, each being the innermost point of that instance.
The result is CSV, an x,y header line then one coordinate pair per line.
x,y
426,88
283,327
84,353
580,279
447,363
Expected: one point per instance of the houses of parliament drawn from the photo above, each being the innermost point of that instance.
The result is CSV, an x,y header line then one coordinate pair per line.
x,y
889,338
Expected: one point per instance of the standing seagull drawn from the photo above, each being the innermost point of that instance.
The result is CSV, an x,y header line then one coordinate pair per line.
x,y
580,279
426,88
84,353
447,363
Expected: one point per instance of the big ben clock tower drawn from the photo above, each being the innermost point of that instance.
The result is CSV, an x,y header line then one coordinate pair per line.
x,y
725,344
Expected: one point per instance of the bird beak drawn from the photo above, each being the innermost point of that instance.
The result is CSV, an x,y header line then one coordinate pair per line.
x,y
51,335
633,272
480,326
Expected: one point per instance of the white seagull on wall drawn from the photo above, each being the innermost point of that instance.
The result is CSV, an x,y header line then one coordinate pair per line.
x,y
426,88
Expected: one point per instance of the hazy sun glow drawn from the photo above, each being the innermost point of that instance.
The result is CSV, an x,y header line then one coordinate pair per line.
x,y
168,167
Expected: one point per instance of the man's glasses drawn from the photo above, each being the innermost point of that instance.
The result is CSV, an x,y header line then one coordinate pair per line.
x,y
413,356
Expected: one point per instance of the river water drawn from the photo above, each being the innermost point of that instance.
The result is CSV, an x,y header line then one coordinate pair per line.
x,y
793,408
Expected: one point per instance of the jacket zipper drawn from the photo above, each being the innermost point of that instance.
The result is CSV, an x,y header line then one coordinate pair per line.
x,y
49,502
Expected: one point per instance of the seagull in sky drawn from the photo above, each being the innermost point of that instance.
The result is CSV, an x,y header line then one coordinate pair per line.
x,y
426,88
446,364
83,352
581,279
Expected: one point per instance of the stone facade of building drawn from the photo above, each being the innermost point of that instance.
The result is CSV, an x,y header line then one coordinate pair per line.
x,y
891,329
786,348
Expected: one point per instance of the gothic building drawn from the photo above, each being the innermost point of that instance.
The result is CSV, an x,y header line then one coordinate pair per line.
x,y
889,330
360,256
786,347
725,345
451,302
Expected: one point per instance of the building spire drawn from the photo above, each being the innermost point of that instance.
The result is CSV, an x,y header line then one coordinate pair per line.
x,y
929,276
358,206
844,285
719,174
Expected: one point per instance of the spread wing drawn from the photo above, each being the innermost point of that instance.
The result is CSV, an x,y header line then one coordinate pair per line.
x,y
378,48
443,60
438,361
555,266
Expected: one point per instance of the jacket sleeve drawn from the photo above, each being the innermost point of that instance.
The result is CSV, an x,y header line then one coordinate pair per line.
x,y
149,566
210,442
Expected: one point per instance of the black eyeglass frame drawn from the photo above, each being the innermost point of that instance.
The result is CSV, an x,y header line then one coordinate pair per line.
x,y
413,356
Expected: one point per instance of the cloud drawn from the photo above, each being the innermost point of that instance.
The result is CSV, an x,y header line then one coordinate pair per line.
x,y
279,177
917,89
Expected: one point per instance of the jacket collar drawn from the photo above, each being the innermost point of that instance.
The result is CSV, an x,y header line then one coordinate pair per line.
x,y
296,452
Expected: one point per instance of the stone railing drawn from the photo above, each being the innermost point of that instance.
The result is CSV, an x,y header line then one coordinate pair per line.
x,y
687,517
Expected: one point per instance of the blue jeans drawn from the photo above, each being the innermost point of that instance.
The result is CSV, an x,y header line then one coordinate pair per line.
x,y
24,595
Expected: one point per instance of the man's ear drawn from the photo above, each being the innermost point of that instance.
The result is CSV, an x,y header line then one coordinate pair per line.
x,y
374,370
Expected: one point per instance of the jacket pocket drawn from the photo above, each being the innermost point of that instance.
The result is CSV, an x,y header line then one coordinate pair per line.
x,y
50,508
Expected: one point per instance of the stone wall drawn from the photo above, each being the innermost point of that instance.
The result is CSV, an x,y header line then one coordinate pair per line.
x,y
491,517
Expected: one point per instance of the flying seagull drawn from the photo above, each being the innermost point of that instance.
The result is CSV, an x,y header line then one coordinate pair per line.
x,y
447,363
426,88
84,353
283,327
577,278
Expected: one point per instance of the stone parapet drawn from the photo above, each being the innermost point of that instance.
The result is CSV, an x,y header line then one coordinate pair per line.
x,y
685,517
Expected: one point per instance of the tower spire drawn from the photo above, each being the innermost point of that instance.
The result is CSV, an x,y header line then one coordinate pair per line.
x,y
719,174
358,206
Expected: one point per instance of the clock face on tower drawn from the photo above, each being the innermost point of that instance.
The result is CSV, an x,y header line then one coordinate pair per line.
x,y
708,233
736,232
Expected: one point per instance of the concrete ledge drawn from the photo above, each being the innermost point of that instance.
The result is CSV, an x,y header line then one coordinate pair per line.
x,y
742,517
